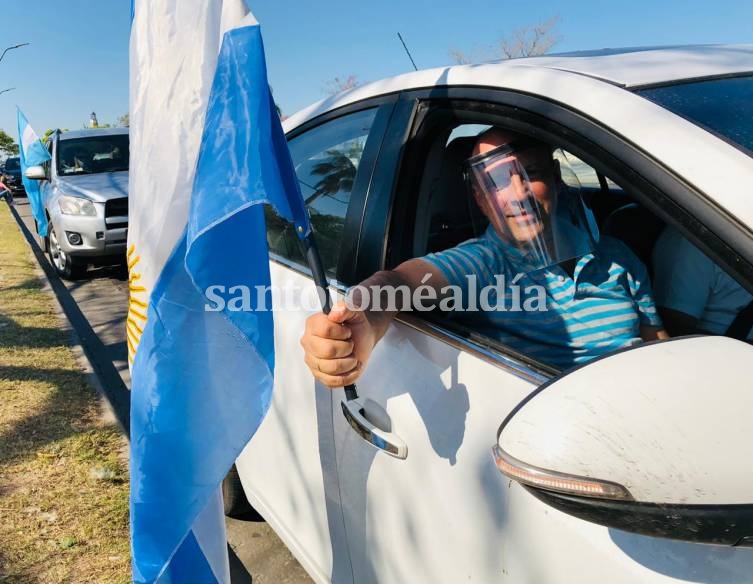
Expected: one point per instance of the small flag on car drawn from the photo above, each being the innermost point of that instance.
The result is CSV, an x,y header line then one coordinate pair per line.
x,y
32,152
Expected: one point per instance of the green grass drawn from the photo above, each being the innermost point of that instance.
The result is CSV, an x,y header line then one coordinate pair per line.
x,y
63,473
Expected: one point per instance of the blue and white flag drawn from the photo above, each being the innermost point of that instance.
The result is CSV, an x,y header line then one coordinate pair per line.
x,y
32,152
207,151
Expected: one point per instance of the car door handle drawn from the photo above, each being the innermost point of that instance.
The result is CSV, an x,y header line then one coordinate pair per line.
x,y
356,414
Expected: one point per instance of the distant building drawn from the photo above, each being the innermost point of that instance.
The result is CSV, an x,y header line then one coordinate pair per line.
x,y
93,123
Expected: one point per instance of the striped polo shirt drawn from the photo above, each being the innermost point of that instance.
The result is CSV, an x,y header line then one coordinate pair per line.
x,y
547,314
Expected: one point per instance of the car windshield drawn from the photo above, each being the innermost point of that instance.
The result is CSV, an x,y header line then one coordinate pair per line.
x,y
723,106
12,164
93,155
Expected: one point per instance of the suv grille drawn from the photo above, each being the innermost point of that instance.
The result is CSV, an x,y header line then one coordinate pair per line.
x,y
116,208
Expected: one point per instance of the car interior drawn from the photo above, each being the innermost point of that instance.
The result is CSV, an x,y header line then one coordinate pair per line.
x,y
446,214
434,210
452,215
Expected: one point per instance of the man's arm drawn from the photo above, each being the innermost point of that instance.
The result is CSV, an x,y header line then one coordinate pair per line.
x,y
337,346
683,282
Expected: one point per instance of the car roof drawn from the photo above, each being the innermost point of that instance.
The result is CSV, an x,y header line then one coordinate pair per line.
x,y
594,85
70,134
639,66
629,68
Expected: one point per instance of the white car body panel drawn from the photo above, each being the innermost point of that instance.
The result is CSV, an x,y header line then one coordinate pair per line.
x,y
445,404
650,66
284,467
427,509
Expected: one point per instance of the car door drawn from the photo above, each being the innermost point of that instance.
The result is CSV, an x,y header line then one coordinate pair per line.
x,y
427,503
288,469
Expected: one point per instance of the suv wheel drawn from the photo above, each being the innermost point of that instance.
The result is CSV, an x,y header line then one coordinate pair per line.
x,y
66,266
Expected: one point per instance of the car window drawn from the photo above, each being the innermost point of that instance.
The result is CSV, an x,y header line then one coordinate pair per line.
x,y
453,232
91,155
326,161
723,106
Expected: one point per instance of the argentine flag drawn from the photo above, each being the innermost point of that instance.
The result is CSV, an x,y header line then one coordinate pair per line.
x,y
207,151
32,152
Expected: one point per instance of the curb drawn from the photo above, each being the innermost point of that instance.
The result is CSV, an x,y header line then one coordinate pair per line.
x,y
99,371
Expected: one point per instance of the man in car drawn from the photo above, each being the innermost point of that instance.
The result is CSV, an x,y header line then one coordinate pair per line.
x,y
596,295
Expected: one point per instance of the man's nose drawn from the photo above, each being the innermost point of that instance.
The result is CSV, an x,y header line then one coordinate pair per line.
x,y
516,191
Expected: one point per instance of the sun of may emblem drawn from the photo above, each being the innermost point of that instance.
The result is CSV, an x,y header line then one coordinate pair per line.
x,y
137,305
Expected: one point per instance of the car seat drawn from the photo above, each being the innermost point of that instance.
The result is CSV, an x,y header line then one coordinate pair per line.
x,y
453,214
635,227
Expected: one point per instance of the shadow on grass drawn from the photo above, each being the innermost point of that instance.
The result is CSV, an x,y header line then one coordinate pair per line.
x,y
18,337
54,420
29,284
113,388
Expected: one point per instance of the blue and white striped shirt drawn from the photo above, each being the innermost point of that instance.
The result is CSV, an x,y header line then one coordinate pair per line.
x,y
598,310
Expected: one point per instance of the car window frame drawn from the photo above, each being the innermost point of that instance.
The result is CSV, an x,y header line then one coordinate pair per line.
x,y
705,224
347,258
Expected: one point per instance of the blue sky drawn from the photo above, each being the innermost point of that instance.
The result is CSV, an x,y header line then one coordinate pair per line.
x,y
77,61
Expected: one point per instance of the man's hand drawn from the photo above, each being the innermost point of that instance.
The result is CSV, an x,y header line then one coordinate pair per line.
x,y
653,333
338,345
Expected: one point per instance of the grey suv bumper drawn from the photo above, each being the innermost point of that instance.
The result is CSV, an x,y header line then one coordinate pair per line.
x,y
100,235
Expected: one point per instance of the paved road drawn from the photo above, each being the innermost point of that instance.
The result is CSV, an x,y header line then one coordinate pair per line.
x,y
103,300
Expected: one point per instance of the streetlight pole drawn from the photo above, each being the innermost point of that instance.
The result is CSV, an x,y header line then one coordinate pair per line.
x,y
7,90
11,48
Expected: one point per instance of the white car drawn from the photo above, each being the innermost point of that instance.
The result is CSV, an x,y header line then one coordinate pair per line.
x,y
635,467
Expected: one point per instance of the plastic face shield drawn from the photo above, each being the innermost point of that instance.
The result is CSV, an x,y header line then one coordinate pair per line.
x,y
529,207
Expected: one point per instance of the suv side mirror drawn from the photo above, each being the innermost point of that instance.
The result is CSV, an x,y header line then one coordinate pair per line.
x,y
653,440
35,173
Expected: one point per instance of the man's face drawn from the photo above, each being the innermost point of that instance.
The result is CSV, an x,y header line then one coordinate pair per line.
x,y
518,208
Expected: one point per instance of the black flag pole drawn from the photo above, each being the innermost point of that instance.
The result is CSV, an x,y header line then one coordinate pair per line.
x,y
322,289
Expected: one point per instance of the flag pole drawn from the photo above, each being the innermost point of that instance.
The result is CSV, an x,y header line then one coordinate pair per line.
x,y
322,289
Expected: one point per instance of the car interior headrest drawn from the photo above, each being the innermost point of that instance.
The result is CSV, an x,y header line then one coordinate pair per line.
x,y
454,215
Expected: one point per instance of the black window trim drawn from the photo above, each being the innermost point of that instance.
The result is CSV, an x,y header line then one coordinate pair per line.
x,y
700,79
706,224
384,106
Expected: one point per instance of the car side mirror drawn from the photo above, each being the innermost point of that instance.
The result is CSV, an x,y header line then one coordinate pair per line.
x,y
35,173
653,440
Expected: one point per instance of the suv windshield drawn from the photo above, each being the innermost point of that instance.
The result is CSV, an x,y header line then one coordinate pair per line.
x,y
723,106
12,164
92,155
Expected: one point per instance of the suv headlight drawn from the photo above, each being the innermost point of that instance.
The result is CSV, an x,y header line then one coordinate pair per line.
x,y
76,206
